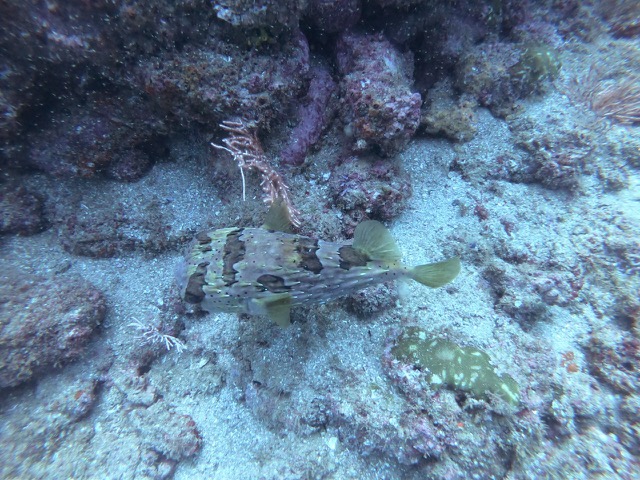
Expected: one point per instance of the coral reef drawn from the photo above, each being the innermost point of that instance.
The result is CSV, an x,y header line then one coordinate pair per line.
x,y
210,85
622,16
379,109
556,159
503,132
498,74
57,421
369,187
442,116
538,63
525,292
614,361
61,58
374,429
114,229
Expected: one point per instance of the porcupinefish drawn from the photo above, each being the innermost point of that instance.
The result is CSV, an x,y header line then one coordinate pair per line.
x,y
266,271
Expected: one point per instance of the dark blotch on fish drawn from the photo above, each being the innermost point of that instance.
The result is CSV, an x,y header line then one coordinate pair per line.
x,y
273,283
350,257
307,248
194,292
203,238
234,251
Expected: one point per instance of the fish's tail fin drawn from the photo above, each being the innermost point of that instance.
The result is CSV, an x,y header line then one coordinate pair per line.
x,y
375,242
435,275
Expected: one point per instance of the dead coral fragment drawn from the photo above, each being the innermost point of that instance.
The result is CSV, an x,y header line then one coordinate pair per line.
x,y
245,147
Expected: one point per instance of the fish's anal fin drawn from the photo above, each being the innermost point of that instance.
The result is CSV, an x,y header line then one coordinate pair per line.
x,y
374,240
277,308
278,217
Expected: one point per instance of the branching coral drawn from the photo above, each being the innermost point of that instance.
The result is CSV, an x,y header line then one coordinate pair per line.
x,y
244,146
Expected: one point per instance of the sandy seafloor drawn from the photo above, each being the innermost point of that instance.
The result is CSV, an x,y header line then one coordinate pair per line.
x,y
329,352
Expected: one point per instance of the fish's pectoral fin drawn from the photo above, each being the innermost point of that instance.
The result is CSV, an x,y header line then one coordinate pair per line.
x,y
278,217
435,275
374,240
277,308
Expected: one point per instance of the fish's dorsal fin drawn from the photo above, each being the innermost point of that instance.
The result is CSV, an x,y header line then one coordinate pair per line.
x,y
374,240
278,308
278,217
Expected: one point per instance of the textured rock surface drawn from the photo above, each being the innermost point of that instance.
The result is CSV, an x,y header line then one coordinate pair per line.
x,y
379,107
44,323
20,211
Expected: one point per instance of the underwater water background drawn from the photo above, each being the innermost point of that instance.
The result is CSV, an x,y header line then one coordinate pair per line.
x,y
505,133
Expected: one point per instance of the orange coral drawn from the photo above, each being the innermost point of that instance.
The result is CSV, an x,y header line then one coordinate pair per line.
x,y
568,362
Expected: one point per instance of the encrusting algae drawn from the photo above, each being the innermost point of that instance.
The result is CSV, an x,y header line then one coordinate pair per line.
x,y
266,271
449,365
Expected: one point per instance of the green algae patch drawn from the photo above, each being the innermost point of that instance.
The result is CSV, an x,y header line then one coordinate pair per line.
x,y
449,365
537,64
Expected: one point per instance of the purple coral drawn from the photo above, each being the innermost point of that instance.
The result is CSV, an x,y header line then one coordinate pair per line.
x,y
378,106
313,117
